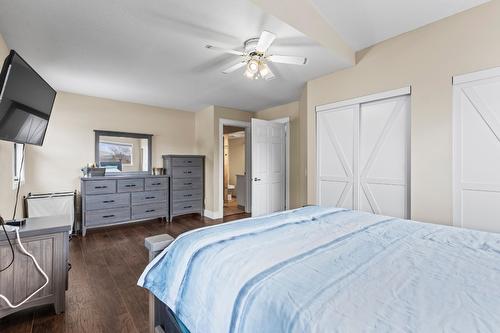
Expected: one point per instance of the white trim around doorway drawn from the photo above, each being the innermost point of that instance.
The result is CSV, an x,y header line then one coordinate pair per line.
x,y
286,121
248,152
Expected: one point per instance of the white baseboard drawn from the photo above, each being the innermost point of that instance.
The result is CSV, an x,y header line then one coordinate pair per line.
x,y
212,215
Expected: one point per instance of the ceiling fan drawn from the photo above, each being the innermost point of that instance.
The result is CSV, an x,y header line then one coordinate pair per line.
x,y
255,57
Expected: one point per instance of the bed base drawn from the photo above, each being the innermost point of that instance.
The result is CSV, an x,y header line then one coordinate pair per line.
x,y
161,318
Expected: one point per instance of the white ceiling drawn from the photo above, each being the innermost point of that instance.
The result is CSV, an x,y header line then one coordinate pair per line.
x,y
363,23
152,52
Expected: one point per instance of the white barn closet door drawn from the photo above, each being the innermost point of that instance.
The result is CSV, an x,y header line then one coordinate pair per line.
x,y
477,154
336,148
384,157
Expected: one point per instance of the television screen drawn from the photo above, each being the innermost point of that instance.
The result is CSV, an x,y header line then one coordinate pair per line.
x,y
26,102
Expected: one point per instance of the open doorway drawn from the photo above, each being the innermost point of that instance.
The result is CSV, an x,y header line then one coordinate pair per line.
x,y
234,171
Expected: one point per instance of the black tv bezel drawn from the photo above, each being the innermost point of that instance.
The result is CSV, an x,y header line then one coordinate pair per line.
x,y
3,76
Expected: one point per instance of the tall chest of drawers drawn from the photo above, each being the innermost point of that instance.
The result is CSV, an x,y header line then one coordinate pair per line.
x,y
118,199
187,190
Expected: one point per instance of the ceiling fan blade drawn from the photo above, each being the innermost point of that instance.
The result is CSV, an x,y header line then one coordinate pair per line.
x,y
234,67
265,40
291,60
220,49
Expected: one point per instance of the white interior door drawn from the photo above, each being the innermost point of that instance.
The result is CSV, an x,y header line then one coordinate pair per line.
x,y
337,149
477,152
363,153
384,157
268,167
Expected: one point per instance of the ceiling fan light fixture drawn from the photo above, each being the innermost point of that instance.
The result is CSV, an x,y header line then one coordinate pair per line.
x,y
253,66
249,74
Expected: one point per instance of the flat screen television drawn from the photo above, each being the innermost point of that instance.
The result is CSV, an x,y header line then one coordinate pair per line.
x,y
26,102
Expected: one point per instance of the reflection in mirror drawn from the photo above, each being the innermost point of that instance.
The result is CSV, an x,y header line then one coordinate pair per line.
x,y
123,152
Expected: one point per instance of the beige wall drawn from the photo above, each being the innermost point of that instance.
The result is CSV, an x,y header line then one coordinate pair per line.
x,y
204,142
69,143
236,154
297,192
426,59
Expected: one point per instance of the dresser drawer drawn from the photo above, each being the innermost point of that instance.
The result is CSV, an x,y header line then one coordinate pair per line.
x,y
186,172
149,211
141,198
186,207
187,195
186,161
152,184
105,201
186,184
107,216
131,185
100,186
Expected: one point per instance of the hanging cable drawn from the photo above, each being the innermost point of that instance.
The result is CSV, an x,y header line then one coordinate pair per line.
x,y
19,182
15,210
10,245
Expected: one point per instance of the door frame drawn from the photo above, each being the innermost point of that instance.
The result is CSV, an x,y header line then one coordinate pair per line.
x,y
286,122
248,165
359,101
458,81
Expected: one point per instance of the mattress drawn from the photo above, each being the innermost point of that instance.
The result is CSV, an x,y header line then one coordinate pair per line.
x,y
330,270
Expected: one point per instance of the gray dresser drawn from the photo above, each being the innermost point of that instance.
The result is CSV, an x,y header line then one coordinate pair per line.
x,y
187,190
118,199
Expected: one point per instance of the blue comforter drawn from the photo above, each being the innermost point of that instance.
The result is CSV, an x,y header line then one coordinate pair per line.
x,y
330,270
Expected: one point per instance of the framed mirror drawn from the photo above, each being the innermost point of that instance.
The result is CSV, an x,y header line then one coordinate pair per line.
x,y
123,152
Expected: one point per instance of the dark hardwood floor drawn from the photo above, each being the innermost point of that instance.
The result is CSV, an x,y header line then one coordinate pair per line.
x,y
232,208
103,295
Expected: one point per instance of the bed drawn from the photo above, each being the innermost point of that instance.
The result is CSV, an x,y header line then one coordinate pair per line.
x,y
329,270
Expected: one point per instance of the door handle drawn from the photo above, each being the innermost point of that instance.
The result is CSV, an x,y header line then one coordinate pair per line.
x,y
257,179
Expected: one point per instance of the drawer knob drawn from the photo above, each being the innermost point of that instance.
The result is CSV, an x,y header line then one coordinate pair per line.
x,y
150,210
130,185
107,216
188,183
108,201
188,161
186,207
148,198
188,195
100,187
187,172
156,184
